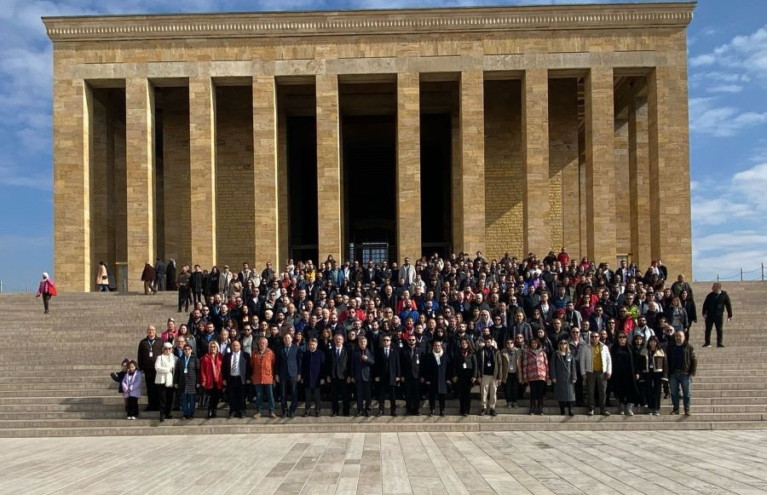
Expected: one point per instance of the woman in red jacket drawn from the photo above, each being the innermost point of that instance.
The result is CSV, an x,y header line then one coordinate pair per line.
x,y
210,377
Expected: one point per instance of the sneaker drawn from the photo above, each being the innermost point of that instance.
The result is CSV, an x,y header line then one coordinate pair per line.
x,y
720,345
706,345
483,413
492,412
629,410
272,416
687,412
257,415
605,413
591,412
656,413
675,411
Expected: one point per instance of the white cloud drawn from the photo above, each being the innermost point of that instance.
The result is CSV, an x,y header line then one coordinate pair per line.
x,y
725,88
721,121
723,255
745,53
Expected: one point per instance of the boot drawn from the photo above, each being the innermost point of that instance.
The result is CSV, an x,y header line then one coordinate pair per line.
x,y
532,407
540,407
561,408
630,409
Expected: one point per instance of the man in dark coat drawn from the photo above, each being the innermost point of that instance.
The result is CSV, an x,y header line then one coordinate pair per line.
x,y
713,311
338,375
159,268
288,370
312,376
186,379
148,276
149,349
362,361
410,365
436,372
387,375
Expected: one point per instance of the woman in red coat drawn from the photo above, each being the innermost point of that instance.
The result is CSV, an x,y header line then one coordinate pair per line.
x,y
210,377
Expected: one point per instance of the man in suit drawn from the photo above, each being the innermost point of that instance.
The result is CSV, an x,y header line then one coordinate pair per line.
x,y
235,370
149,349
387,376
312,376
410,360
362,375
288,366
338,375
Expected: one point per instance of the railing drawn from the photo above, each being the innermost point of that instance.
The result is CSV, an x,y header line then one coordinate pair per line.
x,y
26,288
742,275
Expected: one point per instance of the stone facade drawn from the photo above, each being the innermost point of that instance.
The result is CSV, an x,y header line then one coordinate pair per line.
x,y
536,160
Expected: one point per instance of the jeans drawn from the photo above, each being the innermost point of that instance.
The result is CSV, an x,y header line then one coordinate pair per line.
x,y
675,380
188,404
103,287
261,391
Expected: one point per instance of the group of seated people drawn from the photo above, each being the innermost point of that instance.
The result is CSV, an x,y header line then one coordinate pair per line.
x,y
579,333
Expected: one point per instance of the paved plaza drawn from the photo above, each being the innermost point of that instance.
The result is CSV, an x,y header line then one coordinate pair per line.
x,y
454,463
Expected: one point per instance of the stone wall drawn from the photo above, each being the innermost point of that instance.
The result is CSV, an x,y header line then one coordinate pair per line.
x,y
503,168
564,212
235,201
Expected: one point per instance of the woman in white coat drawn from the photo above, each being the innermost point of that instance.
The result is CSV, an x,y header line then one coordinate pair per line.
x,y
165,366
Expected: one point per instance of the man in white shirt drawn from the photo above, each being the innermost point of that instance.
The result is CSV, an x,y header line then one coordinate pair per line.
x,y
236,374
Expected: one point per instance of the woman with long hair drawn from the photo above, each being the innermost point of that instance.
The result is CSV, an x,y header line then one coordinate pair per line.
x,y
534,370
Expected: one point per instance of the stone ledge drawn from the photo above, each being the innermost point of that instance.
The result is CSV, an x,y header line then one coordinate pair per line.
x,y
345,23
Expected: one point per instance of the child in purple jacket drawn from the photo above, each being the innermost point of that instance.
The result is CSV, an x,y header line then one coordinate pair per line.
x,y
131,387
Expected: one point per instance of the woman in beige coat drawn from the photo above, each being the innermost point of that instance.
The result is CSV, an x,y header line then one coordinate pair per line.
x,y
102,278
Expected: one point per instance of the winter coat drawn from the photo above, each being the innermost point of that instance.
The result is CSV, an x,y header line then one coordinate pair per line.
x,y
534,365
562,369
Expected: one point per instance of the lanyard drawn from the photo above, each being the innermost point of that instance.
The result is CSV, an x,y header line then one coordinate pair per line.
x,y
186,362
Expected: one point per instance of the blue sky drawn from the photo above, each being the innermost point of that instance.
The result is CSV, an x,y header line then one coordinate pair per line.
x,y
728,119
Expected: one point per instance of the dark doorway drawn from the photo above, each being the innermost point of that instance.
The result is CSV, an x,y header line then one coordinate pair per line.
x,y
436,159
369,165
302,186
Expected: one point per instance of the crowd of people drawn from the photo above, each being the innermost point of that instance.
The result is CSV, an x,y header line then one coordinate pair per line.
x,y
581,333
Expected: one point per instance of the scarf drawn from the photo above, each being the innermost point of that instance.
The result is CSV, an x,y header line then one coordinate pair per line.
x,y
438,355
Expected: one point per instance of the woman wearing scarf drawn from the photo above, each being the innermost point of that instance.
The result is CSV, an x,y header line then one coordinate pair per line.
x,y
534,371
435,373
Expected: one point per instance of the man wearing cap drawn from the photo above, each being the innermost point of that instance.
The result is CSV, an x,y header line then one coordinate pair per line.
x,y
149,349
491,370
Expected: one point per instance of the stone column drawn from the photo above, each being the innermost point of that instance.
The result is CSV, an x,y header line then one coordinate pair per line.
x,y
265,172
639,182
329,180
669,148
72,112
535,152
622,187
408,166
471,194
282,185
140,172
202,167
600,165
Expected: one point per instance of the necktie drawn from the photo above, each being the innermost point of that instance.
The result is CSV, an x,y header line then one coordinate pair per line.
x,y
387,353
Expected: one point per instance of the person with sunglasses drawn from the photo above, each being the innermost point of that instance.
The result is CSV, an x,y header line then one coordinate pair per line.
x,y
596,369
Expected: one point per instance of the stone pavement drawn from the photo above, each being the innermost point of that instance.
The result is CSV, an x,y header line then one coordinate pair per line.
x,y
493,462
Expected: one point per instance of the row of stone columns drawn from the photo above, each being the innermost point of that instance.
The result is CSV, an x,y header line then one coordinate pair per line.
x,y
662,195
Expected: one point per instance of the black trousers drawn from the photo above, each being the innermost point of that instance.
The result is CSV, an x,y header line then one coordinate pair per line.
x,y
435,395
214,395
198,297
289,388
183,298
339,390
653,386
464,391
718,322
364,395
236,392
313,395
386,389
152,392
165,395
412,395
513,389
131,407
46,301
579,389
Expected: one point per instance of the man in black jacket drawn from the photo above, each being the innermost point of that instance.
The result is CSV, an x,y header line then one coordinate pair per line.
x,y
387,375
149,349
410,361
713,311
338,375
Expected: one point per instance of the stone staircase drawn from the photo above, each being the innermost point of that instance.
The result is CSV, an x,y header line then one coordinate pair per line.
x,y
54,377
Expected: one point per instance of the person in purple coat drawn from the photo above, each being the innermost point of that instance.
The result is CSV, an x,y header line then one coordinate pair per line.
x,y
131,387
312,365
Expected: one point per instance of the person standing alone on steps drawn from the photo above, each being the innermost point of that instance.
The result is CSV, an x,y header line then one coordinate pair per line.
x,y
47,290
713,312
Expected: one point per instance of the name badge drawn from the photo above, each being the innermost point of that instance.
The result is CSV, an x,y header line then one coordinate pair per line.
x,y
489,364
464,365
186,370
400,344
151,354
417,360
